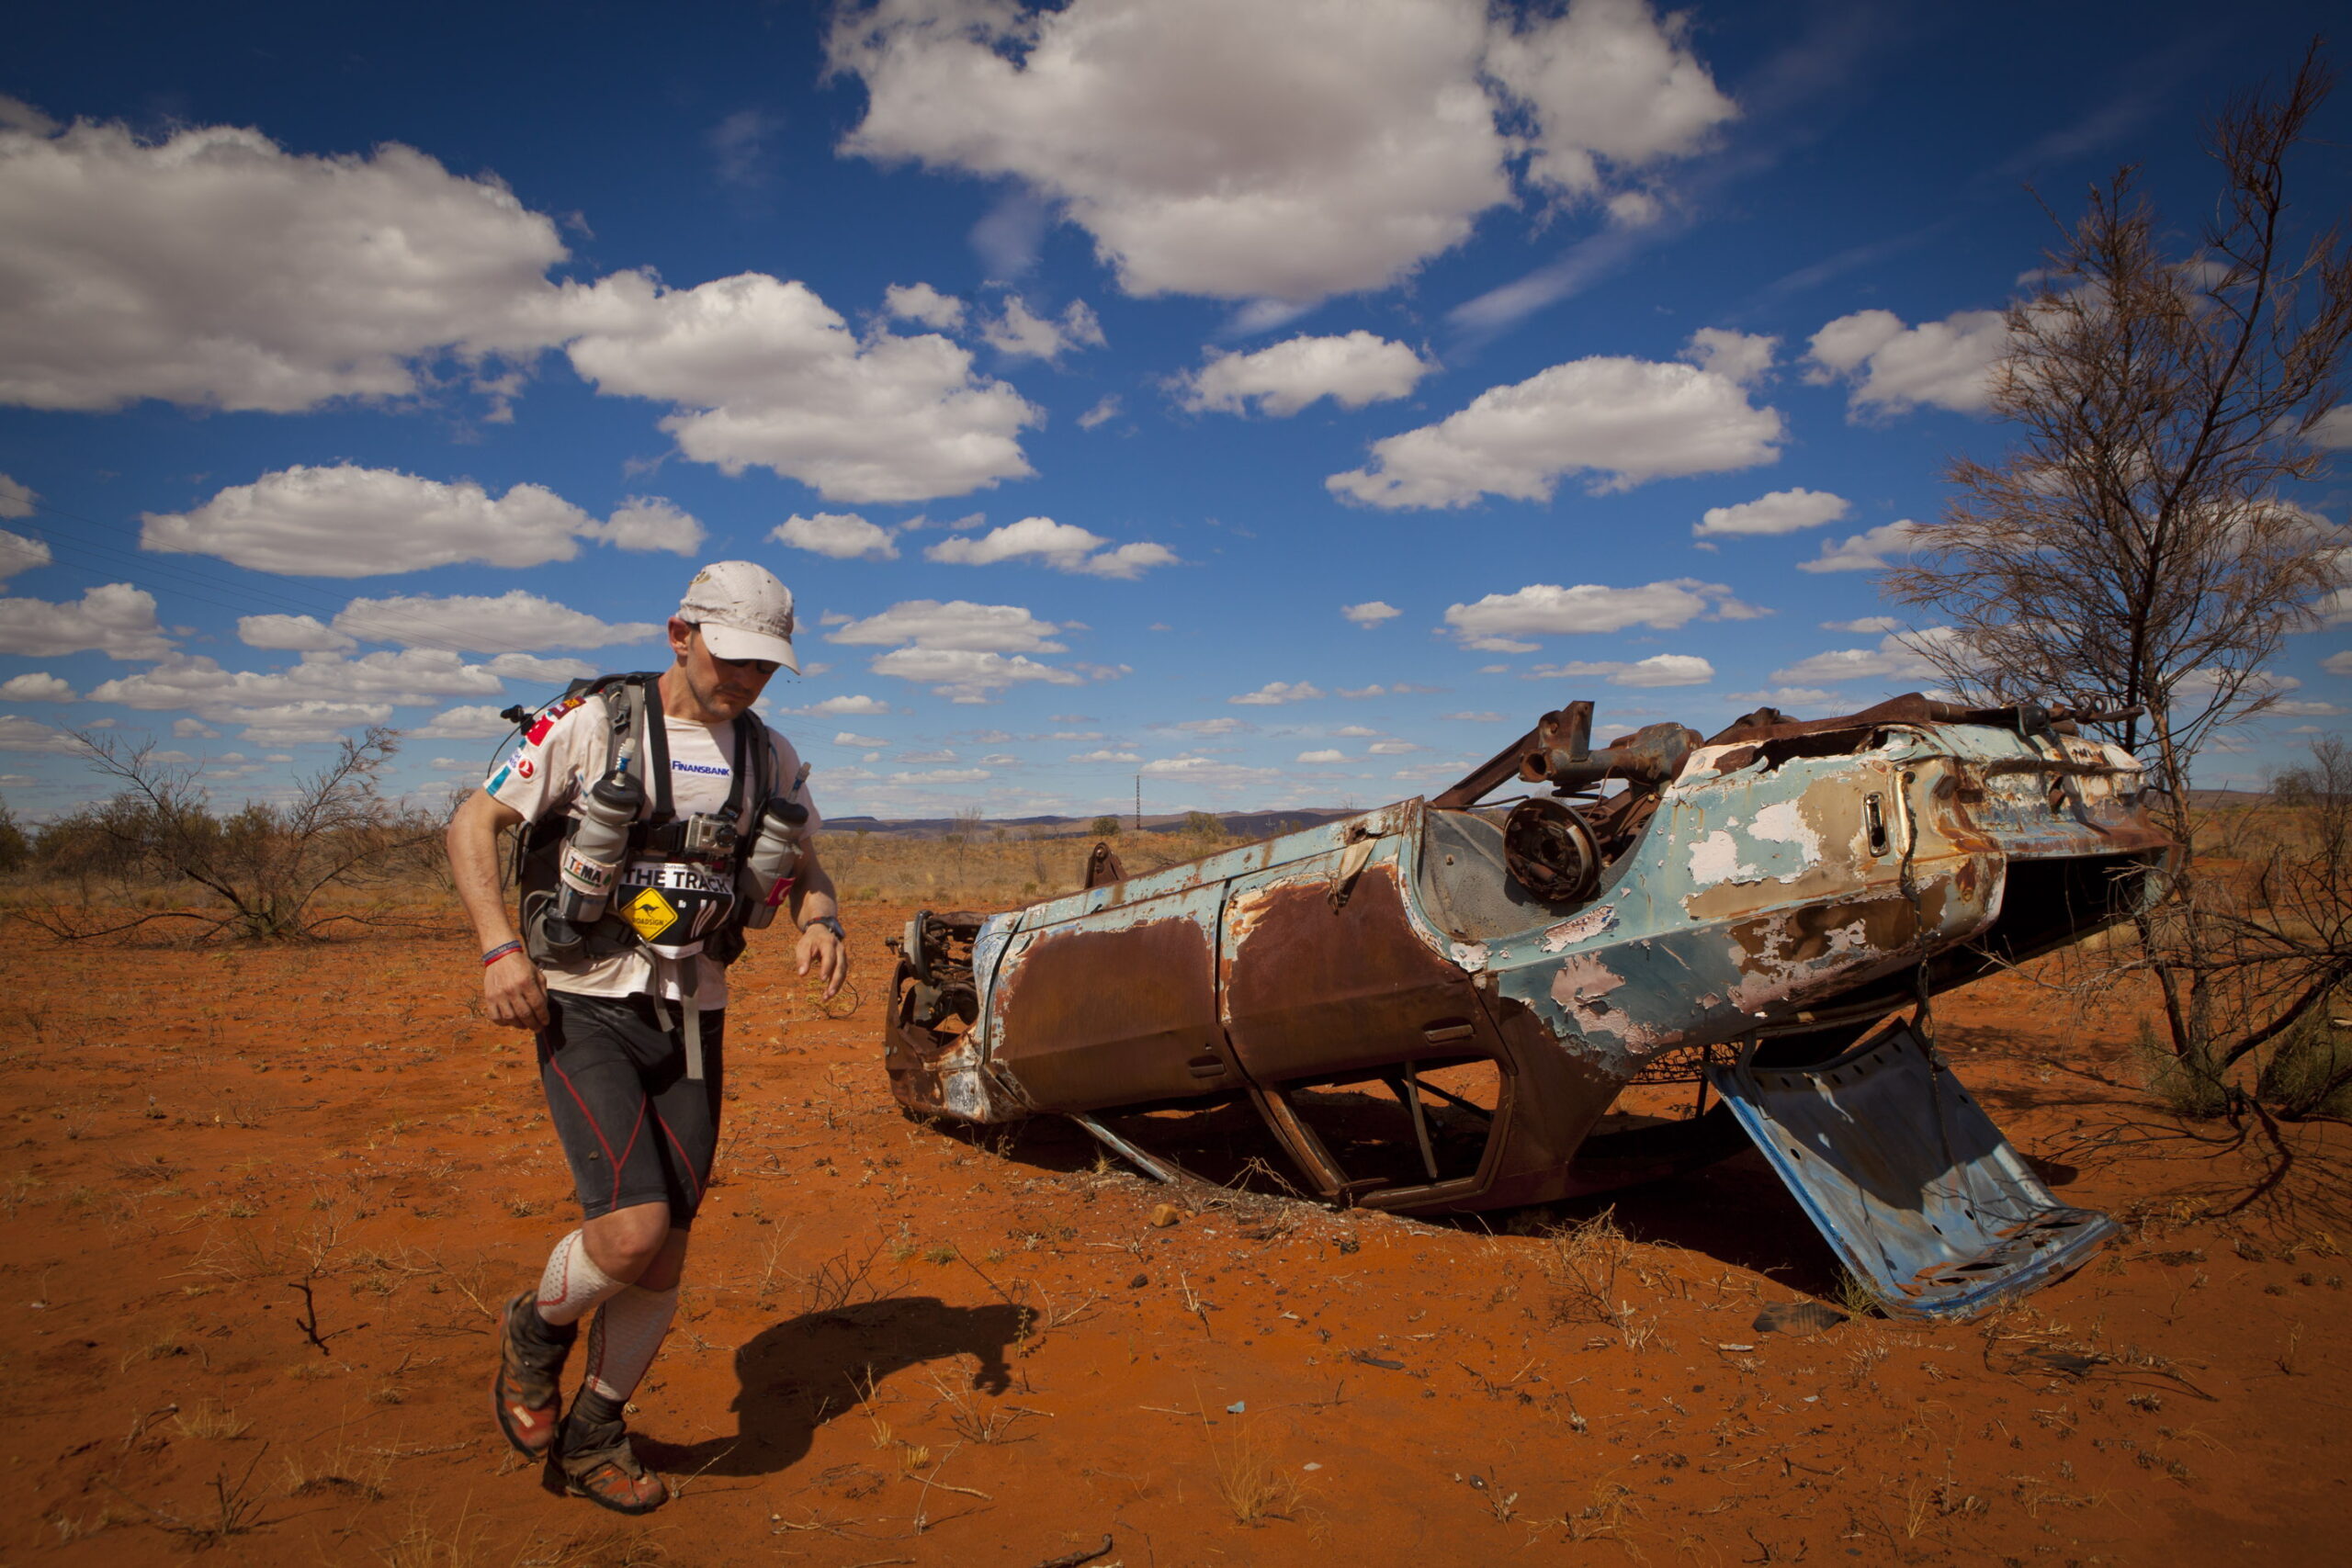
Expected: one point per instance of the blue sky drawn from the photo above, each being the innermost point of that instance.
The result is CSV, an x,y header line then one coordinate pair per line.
x,y
1286,403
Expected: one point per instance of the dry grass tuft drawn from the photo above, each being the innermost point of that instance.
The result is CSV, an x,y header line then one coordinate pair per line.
x,y
1250,1483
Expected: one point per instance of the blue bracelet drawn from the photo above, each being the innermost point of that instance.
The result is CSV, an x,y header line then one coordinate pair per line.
x,y
501,951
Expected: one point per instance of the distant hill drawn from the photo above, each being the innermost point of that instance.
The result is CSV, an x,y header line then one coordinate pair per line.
x,y
1236,824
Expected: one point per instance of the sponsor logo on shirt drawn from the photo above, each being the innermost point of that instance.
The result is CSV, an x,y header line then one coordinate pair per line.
x,y
523,768
539,731
676,766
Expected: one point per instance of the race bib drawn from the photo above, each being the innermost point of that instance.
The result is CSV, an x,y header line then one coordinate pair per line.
x,y
673,906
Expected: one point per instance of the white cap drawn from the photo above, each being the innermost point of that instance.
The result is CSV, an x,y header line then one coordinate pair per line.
x,y
743,611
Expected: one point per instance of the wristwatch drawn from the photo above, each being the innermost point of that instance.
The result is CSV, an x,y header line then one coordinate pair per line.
x,y
833,923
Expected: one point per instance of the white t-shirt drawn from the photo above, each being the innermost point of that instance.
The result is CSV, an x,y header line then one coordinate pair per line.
x,y
564,753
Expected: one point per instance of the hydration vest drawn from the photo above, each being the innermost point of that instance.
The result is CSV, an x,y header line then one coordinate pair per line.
x,y
676,890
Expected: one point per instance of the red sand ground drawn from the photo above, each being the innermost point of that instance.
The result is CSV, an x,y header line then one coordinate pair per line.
x,y
196,1136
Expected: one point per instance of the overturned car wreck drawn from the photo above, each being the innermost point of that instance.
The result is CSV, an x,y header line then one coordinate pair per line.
x,y
1685,946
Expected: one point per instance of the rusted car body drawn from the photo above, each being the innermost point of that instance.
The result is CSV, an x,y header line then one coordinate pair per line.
x,y
1530,986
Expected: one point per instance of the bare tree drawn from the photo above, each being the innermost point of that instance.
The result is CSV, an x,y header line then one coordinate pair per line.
x,y
268,864
2133,548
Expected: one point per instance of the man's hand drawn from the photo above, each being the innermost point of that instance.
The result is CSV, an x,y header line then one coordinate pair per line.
x,y
820,946
517,996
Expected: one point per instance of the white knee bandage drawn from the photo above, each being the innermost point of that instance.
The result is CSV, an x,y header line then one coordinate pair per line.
x,y
573,1282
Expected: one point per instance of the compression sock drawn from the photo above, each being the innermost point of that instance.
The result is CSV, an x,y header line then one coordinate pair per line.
x,y
627,1333
572,1284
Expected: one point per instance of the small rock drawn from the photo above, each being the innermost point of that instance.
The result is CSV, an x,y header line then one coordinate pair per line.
x,y
1139,1282
1166,1214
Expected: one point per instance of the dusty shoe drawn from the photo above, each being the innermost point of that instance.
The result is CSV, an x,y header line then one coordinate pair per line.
x,y
599,1464
524,1394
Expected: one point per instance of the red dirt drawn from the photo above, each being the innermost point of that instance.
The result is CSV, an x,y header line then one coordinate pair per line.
x,y
197,1135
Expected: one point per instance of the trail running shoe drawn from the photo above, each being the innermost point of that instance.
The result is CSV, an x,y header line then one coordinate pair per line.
x,y
609,1474
525,1395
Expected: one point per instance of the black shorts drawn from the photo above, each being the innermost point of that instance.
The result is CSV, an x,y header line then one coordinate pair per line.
x,y
636,1129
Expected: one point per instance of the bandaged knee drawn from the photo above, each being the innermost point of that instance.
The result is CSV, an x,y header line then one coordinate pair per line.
x,y
572,1284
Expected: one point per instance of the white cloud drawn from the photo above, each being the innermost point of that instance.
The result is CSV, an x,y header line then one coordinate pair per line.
x,y
1625,421
864,742
1392,748
354,522
844,536
1782,511
2339,663
1864,627
1476,718
307,700
1866,551
740,146
942,776
1658,670
1785,697
475,722
113,618
1743,357
2298,707
292,281
1370,612
1210,772
1544,609
647,522
479,623
1106,408
1210,726
1359,368
956,623
1610,85
1020,332
765,374
843,707
285,280
36,687
20,553
1277,692
1323,756
1065,546
1105,755
965,675
921,302
19,734
1893,656
963,651
1356,732
1243,150
544,671
193,729
1893,367
297,634
17,500
2333,431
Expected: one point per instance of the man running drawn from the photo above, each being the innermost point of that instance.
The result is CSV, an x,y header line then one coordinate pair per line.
x,y
628,1002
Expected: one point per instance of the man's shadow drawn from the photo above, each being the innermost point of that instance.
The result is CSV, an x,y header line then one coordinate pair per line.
x,y
795,1376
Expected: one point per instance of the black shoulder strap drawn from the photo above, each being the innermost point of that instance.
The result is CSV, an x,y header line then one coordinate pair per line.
x,y
754,778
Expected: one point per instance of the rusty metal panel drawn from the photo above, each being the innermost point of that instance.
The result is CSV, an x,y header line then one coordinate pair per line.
x,y
1117,1008
1328,970
1908,1179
